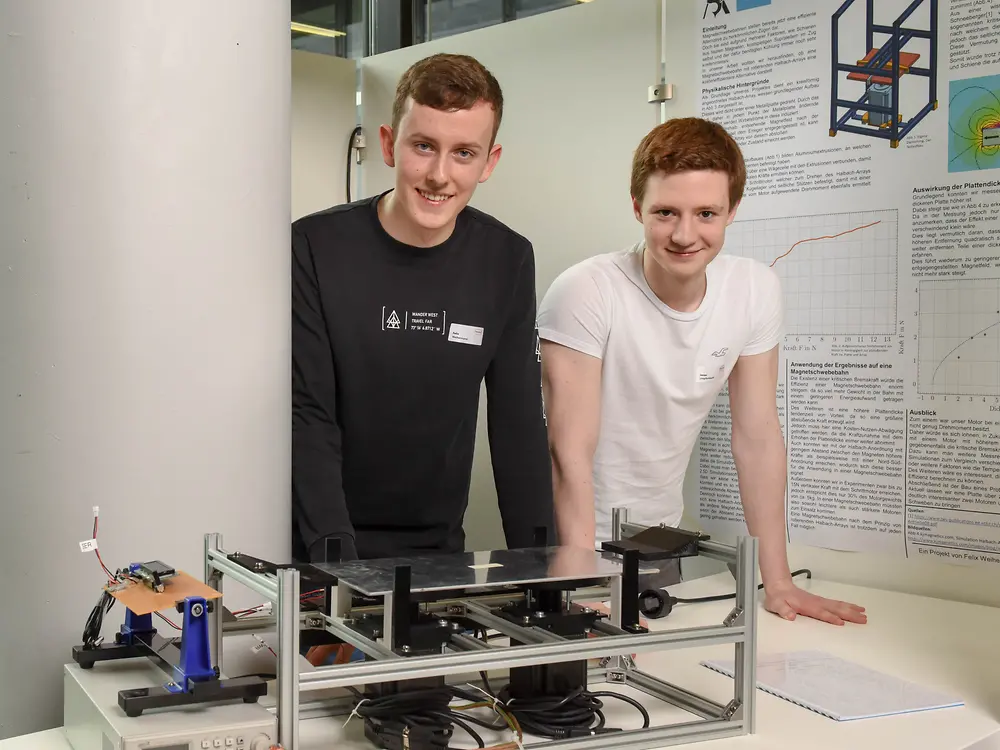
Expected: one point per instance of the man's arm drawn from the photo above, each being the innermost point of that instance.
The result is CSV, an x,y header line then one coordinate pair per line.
x,y
319,508
759,453
522,470
572,382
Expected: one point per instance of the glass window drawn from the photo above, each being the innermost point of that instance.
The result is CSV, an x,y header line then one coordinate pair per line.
x,y
448,17
338,27
329,27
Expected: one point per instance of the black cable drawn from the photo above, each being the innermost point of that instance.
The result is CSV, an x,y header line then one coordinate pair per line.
x,y
724,597
350,152
423,715
92,630
657,603
578,714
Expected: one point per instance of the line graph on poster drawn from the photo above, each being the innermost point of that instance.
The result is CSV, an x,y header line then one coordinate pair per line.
x,y
958,337
838,271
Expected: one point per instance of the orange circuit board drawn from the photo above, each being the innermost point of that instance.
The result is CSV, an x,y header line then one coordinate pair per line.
x,y
142,600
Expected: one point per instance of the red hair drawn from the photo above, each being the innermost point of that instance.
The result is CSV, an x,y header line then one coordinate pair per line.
x,y
687,144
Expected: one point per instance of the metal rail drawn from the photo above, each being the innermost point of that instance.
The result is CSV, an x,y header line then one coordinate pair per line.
x,y
417,667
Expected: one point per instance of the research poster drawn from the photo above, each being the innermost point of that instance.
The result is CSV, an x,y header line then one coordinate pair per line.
x,y
871,133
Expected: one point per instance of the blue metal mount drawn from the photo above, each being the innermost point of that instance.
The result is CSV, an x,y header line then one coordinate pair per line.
x,y
196,657
136,630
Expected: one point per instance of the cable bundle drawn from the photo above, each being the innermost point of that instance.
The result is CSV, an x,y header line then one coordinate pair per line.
x,y
92,630
578,714
423,718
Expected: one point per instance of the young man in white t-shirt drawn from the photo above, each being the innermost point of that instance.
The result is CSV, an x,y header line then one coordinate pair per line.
x,y
637,345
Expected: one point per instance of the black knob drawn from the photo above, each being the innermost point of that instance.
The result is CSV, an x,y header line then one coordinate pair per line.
x,y
655,604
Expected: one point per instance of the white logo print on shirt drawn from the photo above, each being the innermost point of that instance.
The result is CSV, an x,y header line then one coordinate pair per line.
x,y
431,321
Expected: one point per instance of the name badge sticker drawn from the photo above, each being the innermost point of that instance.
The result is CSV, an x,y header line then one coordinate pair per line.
x,y
463,334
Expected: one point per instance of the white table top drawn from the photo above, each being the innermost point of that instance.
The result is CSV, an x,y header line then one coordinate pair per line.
x,y
936,643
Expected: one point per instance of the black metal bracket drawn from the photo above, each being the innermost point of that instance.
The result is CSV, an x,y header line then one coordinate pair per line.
x,y
311,578
630,593
88,657
658,543
165,653
402,609
247,689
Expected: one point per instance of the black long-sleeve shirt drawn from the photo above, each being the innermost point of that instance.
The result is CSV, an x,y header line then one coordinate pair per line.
x,y
391,345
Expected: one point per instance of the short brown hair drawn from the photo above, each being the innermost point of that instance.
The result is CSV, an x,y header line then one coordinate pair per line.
x,y
448,82
685,144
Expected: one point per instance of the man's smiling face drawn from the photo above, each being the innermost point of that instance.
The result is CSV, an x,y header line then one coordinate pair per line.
x,y
439,157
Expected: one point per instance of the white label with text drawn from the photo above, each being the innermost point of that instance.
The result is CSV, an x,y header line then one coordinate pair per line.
x,y
464,334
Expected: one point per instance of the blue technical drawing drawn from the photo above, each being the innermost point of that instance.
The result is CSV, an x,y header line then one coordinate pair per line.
x,y
882,70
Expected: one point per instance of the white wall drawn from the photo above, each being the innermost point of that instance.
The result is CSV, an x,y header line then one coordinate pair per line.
x,y
575,108
324,113
144,308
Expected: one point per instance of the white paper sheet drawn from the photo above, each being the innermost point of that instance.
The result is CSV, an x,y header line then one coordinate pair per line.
x,y
836,688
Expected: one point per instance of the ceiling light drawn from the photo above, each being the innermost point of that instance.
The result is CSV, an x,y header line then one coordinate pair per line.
x,y
305,28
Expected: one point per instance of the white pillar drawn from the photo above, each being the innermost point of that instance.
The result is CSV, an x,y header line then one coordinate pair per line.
x,y
144,306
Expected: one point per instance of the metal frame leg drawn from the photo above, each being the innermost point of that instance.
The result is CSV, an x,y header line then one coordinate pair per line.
x,y
618,517
746,651
213,579
288,658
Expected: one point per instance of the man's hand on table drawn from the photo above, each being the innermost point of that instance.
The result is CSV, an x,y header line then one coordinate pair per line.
x,y
787,600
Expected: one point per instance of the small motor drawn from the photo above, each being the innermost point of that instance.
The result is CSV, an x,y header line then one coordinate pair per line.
x,y
880,94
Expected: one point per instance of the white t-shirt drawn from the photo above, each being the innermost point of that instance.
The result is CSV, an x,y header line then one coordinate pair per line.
x,y
662,369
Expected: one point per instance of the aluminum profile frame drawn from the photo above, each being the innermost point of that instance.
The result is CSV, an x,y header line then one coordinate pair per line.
x,y
613,647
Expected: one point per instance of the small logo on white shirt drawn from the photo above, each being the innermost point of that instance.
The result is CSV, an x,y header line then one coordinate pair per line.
x,y
720,352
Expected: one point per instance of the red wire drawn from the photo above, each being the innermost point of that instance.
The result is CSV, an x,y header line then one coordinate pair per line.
x,y
107,572
111,577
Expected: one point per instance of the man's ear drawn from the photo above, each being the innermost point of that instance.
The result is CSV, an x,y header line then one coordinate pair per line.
x,y
491,162
637,209
386,138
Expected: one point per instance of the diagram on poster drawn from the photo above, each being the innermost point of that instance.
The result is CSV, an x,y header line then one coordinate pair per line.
x,y
974,124
838,271
959,338
869,90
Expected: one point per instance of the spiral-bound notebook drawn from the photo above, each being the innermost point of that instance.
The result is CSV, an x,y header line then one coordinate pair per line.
x,y
836,688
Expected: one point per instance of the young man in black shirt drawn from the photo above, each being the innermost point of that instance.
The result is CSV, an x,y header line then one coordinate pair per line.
x,y
402,305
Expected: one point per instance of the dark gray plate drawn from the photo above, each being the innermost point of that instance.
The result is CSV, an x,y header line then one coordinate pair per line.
x,y
443,572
